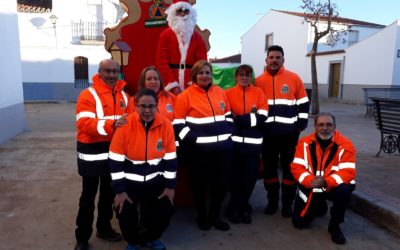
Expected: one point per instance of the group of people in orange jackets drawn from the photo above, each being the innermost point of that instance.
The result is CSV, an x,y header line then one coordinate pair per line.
x,y
220,136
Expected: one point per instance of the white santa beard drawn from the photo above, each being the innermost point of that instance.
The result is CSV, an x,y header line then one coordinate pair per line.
x,y
183,28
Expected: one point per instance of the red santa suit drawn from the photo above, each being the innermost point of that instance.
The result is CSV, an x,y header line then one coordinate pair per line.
x,y
175,57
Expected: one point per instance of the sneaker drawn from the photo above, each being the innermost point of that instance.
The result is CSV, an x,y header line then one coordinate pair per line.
x,y
220,224
337,235
155,245
270,209
82,246
111,235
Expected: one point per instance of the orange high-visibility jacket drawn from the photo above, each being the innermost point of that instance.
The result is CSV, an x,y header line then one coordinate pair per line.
x,y
336,164
203,119
287,100
143,155
96,110
165,105
250,110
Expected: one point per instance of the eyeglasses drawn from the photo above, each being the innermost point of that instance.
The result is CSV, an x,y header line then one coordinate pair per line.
x,y
183,11
109,71
144,106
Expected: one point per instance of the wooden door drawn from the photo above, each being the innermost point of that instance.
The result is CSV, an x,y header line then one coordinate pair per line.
x,y
335,80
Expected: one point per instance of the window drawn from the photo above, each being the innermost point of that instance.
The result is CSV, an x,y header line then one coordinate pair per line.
x,y
268,41
81,72
353,37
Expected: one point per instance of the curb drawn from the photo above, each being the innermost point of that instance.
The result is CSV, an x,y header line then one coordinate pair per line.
x,y
377,207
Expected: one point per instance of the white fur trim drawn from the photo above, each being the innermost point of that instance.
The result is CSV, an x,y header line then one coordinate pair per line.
x,y
171,85
183,31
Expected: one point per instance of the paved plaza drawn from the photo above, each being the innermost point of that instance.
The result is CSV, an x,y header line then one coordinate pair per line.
x,y
40,189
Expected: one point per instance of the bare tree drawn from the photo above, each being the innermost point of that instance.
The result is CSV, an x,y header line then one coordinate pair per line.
x,y
317,12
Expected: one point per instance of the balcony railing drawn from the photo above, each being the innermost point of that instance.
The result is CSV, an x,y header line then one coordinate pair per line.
x,y
88,32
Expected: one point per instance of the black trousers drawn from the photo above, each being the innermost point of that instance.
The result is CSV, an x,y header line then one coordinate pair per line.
x,y
279,150
147,217
340,197
84,220
209,175
244,177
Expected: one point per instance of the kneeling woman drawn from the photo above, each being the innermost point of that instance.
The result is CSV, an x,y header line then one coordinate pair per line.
x,y
143,169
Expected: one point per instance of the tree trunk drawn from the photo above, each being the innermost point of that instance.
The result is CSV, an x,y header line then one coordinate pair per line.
x,y
314,80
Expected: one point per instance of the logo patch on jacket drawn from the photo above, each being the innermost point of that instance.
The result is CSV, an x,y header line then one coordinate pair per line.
x,y
169,108
222,106
122,104
285,89
159,145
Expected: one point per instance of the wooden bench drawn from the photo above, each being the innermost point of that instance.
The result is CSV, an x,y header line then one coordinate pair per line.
x,y
387,118
392,92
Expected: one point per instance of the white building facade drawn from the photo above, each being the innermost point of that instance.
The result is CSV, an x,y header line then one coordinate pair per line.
x,y
11,94
60,57
367,56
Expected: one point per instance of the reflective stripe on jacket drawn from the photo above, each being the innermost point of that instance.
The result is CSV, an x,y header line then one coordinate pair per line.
x,y
96,110
336,164
142,156
203,119
287,100
248,136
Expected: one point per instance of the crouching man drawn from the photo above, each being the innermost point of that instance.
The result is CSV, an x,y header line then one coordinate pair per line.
x,y
324,166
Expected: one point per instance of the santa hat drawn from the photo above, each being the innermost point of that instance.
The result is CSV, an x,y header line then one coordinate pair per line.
x,y
181,4
177,1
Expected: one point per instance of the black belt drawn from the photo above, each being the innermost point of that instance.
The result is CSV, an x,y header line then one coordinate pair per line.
x,y
180,66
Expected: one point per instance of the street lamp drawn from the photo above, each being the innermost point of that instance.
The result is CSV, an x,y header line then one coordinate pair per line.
x,y
53,19
120,51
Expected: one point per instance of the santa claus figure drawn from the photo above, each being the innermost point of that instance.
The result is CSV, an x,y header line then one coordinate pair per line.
x,y
179,46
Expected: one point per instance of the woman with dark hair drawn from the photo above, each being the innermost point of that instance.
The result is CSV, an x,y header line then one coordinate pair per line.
x,y
250,110
203,129
142,159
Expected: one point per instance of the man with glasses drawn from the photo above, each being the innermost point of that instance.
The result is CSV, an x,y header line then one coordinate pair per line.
x,y
100,110
179,46
324,166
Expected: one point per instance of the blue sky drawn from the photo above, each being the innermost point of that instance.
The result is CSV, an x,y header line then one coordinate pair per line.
x,y
228,20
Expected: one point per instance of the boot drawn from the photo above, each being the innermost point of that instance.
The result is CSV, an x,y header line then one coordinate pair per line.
x,y
337,235
288,195
273,198
218,223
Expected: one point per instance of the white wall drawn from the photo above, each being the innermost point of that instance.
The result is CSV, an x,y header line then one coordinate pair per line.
x,y
323,67
396,64
36,29
48,53
365,32
10,60
57,65
288,31
370,62
12,120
